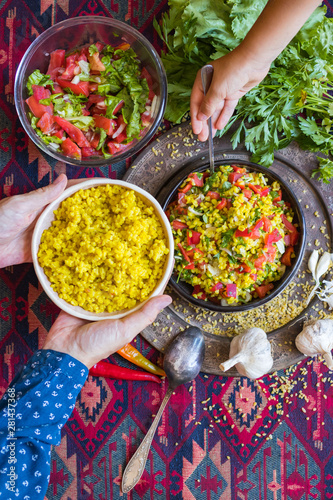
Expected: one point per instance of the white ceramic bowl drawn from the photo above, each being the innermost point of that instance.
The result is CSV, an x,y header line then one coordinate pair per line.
x,y
44,222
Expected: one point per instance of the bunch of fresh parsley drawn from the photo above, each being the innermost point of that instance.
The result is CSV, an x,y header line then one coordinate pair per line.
x,y
293,102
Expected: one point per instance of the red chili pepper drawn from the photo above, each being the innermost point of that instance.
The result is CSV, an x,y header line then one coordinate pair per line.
x,y
176,224
107,370
222,204
134,356
183,251
263,289
286,257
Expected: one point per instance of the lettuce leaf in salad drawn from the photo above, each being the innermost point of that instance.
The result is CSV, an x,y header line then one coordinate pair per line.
x,y
93,49
111,102
102,137
50,99
37,78
82,122
69,105
108,50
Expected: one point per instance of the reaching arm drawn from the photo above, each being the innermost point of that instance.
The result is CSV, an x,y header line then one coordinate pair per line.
x,y
248,64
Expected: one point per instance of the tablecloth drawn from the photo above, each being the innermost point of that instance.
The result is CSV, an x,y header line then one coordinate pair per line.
x,y
219,438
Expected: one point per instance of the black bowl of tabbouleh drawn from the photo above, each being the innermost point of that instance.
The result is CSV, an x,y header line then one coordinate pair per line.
x,y
239,234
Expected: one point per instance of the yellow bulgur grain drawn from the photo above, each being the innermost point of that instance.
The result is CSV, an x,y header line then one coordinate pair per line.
x,y
105,250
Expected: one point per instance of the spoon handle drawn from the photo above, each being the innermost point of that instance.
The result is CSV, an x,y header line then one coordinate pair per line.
x,y
136,465
206,79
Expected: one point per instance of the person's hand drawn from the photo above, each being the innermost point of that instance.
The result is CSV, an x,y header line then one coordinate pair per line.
x,y
234,75
91,342
18,216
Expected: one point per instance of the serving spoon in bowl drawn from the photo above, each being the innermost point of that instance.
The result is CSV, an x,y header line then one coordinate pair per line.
x,y
207,72
182,362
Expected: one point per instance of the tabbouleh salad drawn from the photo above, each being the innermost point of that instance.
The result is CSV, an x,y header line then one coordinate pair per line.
x,y
233,234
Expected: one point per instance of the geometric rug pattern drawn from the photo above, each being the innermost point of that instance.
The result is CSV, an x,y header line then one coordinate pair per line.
x,y
219,438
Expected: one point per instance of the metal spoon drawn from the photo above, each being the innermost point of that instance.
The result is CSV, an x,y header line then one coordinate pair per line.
x,y
206,78
182,362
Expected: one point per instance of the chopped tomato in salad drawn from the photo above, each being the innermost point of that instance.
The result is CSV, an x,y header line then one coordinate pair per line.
x,y
97,100
234,234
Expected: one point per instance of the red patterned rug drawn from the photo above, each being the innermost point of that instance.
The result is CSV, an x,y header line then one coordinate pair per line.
x,y
220,438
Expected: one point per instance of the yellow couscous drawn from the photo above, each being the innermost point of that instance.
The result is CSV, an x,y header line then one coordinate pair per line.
x,y
233,234
106,249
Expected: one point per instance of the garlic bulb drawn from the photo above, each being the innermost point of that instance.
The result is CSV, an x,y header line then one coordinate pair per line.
x,y
251,353
317,338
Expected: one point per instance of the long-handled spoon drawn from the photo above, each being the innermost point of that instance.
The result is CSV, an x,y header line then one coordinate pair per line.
x,y
206,78
182,362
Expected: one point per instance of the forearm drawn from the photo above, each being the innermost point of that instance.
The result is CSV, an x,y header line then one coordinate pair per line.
x,y
278,23
32,412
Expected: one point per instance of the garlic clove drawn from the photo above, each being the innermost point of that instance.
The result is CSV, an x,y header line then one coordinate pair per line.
x,y
312,263
323,265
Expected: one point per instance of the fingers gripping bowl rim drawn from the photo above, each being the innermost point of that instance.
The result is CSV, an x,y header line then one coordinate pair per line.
x,y
69,35
169,193
45,221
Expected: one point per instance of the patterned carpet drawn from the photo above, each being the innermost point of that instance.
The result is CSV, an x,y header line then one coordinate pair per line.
x,y
220,438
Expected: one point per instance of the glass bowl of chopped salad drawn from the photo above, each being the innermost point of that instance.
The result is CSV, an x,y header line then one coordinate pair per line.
x,y
90,91
239,234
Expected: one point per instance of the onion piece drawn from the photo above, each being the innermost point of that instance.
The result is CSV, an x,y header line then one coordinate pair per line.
x,y
195,212
76,79
215,271
84,66
280,246
229,252
153,105
119,130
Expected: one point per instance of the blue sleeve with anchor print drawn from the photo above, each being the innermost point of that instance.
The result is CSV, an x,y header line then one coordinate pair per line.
x,y
33,411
